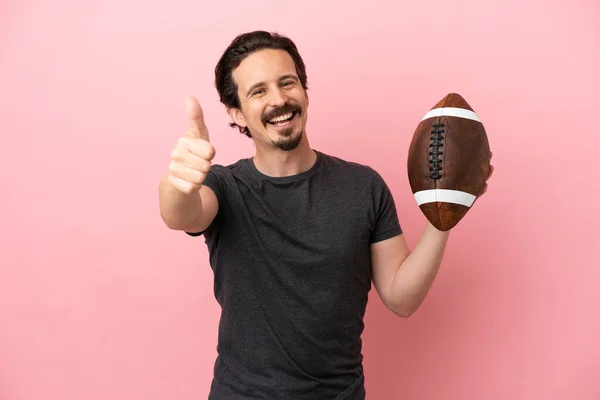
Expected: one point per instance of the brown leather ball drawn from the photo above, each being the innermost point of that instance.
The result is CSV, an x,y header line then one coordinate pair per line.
x,y
448,161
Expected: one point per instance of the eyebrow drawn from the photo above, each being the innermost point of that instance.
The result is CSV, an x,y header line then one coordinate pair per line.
x,y
259,84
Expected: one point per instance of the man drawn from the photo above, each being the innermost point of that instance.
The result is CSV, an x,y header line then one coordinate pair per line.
x,y
295,236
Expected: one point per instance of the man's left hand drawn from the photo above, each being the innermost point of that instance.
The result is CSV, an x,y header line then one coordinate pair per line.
x,y
485,185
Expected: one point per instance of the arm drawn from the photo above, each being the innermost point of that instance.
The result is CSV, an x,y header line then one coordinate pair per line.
x,y
186,212
403,277
185,203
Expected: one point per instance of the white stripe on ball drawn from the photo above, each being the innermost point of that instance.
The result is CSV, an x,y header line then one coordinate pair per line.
x,y
451,112
445,196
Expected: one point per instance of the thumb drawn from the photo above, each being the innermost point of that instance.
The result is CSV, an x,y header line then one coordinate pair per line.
x,y
196,117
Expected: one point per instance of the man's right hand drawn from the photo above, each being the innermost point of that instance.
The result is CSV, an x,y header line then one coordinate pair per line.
x,y
191,157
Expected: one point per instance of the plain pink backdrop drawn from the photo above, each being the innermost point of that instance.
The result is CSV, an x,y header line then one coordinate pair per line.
x,y
98,300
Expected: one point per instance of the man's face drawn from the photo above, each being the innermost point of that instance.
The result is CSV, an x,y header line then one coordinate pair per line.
x,y
273,102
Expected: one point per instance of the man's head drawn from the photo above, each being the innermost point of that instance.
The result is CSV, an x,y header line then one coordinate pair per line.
x,y
261,79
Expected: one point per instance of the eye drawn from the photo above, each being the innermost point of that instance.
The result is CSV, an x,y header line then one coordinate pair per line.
x,y
257,92
287,83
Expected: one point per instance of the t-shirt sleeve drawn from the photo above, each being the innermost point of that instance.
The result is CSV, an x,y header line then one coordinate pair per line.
x,y
212,181
387,224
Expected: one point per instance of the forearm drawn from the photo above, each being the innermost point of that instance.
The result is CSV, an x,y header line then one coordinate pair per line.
x,y
177,209
418,271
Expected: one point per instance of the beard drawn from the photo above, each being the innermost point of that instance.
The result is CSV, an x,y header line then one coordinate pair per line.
x,y
289,140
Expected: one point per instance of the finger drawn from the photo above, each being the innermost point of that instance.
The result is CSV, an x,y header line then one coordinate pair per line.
x,y
196,117
187,174
198,147
190,160
483,190
182,185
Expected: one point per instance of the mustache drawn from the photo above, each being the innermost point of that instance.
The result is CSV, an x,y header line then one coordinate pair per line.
x,y
284,109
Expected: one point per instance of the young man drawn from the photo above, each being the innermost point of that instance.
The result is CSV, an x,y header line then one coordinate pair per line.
x,y
295,236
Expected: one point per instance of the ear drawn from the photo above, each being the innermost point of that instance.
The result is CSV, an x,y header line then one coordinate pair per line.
x,y
237,116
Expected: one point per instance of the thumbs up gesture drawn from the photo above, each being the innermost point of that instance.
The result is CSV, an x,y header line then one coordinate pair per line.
x,y
191,157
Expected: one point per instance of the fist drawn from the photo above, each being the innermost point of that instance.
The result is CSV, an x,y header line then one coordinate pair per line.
x,y
191,157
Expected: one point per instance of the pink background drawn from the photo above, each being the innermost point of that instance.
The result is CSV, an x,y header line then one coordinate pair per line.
x,y
98,300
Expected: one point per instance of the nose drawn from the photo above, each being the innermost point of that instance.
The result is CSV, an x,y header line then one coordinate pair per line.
x,y
278,97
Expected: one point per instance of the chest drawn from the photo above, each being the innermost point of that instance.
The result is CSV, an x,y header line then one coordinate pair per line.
x,y
303,221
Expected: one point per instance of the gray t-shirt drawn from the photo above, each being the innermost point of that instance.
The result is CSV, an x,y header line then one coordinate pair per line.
x,y
292,273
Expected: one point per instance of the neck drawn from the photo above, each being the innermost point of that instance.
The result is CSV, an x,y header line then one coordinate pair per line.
x,y
280,163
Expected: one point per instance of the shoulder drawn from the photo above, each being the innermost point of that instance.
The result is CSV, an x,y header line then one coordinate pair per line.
x,y
226,173
350,169
227,169
221,177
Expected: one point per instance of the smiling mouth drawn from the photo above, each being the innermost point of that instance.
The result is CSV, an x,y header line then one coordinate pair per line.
x,y
282,120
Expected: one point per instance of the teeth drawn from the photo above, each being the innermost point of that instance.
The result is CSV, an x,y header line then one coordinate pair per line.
x,y
281,118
